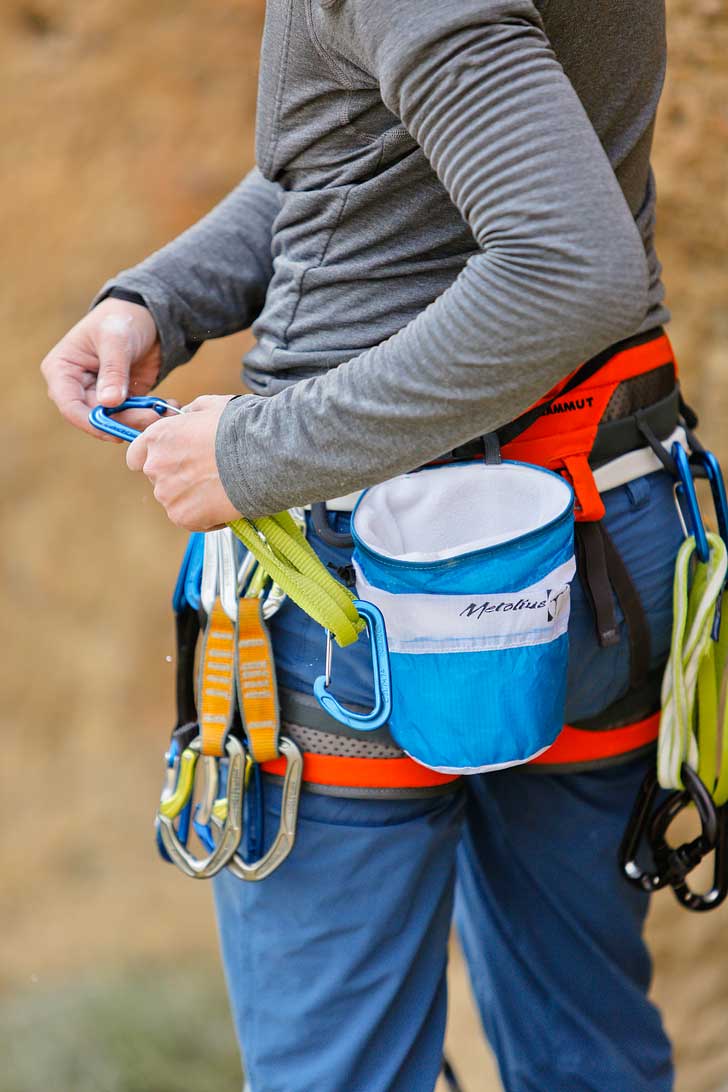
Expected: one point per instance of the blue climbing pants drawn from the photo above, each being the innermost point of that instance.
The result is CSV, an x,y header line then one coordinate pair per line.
x,y
336,964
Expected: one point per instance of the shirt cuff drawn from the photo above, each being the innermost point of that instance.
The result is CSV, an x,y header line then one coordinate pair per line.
x,y
231,459
177,347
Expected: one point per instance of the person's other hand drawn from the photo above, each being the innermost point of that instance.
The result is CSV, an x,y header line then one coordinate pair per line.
x,y
112,352
177,454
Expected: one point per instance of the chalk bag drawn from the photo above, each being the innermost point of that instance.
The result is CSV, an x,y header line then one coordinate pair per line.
x,y
470,565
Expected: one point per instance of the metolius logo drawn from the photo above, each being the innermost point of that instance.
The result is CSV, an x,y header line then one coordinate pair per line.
x,y
554,603
477,610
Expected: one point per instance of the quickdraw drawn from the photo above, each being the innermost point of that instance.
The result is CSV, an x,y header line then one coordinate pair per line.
x,y
236,691
692,757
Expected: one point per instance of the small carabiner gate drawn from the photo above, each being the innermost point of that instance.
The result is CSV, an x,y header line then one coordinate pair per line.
x,y
685,489
102,417
382,709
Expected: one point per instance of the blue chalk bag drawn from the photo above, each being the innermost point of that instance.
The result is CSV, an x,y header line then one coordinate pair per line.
x,y
471,565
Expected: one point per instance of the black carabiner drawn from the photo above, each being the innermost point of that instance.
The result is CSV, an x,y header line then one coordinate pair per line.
x,y
674,863
635,832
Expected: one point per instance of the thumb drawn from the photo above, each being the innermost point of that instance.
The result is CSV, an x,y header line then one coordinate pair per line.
x,y
115,359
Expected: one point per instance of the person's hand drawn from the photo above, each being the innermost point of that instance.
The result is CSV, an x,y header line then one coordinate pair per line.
x,y
177,454
112,352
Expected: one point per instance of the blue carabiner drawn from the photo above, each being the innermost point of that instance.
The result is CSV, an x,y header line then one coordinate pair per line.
x,y
187,588
685,488
714,474
382,710
102,417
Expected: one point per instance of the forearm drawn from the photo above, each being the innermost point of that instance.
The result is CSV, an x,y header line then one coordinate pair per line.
x,y
559,275
211,280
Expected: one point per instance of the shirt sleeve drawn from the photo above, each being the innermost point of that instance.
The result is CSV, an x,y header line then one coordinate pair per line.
x,y
211,280
560,271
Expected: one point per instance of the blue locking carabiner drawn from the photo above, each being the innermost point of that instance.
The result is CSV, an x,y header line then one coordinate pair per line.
x,y
102,417
685,489
382,709
714,474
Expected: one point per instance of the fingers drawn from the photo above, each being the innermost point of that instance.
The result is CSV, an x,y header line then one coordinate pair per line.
x,y
136,453
70,387
207,402
141,419
115,357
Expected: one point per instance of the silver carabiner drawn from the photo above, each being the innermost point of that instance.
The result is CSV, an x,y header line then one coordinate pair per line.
x,y
202,868
286,836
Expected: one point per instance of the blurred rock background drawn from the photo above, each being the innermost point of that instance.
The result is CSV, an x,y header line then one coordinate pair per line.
x,y
122,123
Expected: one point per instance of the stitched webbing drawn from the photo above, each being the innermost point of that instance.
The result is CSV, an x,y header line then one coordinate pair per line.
x,y
694,721
257,689
217,680
292,563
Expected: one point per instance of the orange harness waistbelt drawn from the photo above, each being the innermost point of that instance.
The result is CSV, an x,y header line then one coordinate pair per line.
x,y
563,436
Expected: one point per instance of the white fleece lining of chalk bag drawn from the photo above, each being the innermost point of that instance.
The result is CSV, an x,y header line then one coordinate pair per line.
x,y
453,510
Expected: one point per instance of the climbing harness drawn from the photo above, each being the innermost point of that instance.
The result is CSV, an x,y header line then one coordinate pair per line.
x,y
692,752
616,418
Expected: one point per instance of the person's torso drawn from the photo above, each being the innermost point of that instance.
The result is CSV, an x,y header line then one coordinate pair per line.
x,y
367,236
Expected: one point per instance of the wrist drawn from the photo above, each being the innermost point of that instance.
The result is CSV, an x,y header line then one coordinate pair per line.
x,y
116,293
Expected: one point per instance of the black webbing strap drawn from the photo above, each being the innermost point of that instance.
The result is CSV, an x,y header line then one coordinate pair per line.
x,y
645,429
592,565
634,612
605,576
187,629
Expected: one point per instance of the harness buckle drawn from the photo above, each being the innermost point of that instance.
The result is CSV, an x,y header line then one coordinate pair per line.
x,y
232,827
381,711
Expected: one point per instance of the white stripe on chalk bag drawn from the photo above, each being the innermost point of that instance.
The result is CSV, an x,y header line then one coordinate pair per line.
x,y
422,623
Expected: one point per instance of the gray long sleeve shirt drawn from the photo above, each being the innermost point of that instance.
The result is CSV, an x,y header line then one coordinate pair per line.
x,y
453,208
